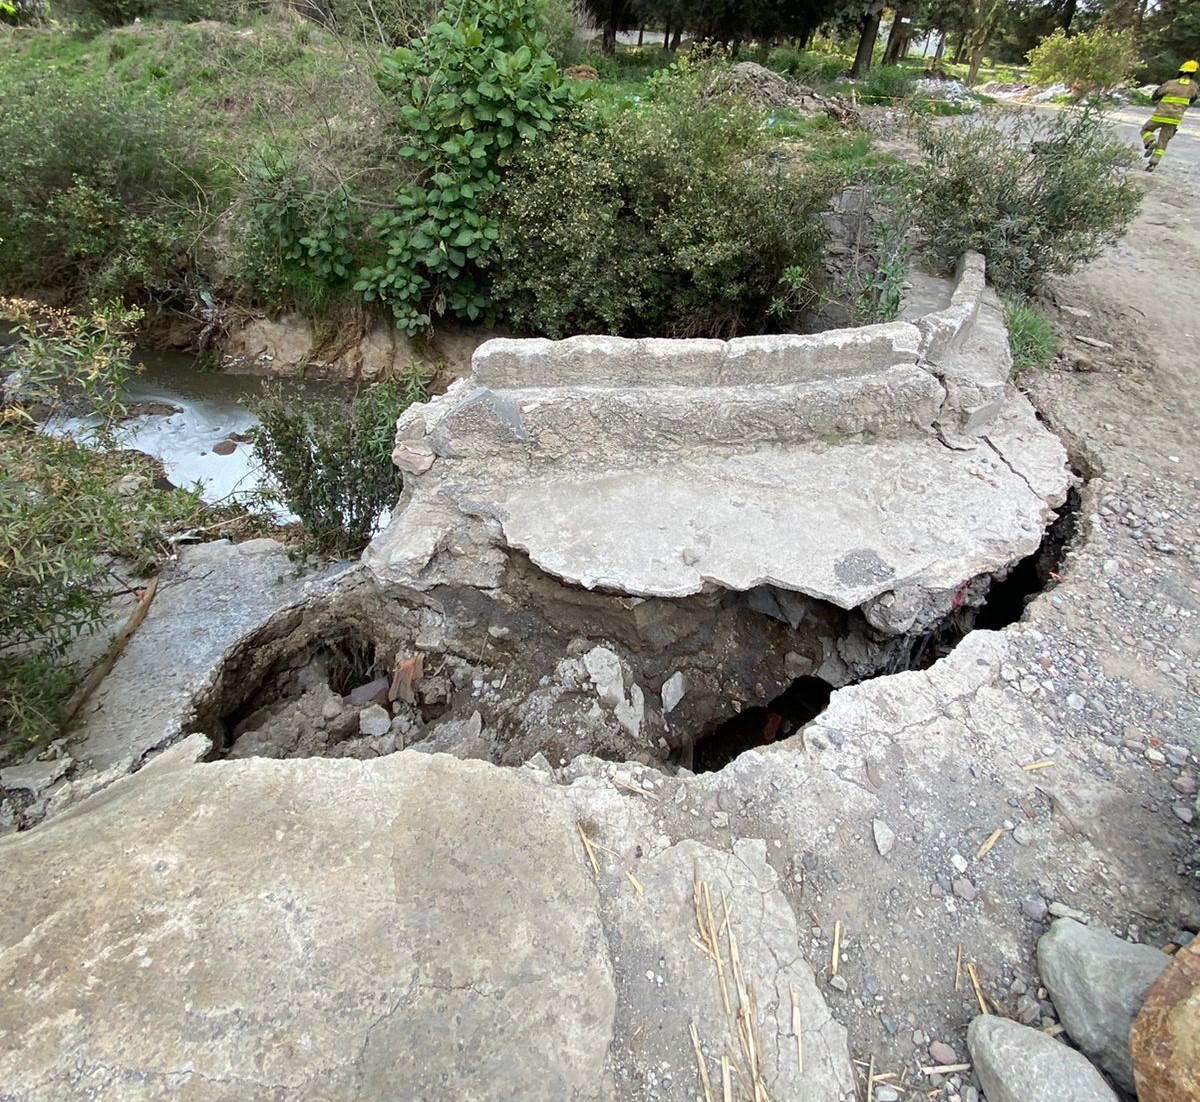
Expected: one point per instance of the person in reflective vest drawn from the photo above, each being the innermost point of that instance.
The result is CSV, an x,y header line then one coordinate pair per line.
x,y
1170,102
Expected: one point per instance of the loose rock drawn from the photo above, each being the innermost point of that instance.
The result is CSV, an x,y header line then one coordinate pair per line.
x,y
1015,1063
1098,983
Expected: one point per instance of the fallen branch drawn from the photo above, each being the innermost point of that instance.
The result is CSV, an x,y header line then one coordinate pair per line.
x,y
101,669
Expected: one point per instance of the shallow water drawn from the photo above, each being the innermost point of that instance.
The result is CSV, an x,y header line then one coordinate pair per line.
x,y
211,407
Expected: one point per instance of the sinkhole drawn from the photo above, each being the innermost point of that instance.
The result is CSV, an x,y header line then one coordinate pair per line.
x,y
540,667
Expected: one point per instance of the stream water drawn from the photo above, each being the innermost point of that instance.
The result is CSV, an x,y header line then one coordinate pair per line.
x,y
210,407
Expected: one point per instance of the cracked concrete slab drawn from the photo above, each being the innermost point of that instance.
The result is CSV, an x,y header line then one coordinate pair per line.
x,y
414,926
212,596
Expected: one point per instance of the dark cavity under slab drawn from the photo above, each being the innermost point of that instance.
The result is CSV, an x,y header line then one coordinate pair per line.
x,y
1006,601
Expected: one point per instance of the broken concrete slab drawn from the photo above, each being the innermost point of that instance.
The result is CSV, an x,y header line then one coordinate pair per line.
x,y
452,943
212,596
814,464
855,522
457,941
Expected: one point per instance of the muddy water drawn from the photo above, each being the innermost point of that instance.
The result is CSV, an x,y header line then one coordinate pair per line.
x,y
211,406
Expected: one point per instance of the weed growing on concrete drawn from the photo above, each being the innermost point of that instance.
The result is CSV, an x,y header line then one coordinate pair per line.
x,y
1032,340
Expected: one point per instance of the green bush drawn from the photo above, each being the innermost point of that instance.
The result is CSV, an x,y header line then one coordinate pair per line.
x,y
806,66
1090,60
885,84
475,88
96,188
669,218
1032,214
62,513
1030,336
331,463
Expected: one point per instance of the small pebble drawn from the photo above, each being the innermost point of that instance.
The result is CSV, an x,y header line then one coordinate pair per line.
x,y
964,889
838,983
1183,813
1035,907
942,1053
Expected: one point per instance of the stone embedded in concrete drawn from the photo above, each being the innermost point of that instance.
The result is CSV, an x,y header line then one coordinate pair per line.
x,y
1098,983
1016,1063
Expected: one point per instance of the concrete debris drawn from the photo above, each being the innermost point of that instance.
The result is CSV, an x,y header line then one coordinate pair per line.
x,y
885,837
1015,1063
374,720
672,691
33,778
1098,983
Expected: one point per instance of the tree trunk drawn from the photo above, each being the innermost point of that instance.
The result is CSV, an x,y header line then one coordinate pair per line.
x,y
896,36
941,49
866,45
641,35
675,38
976,61
666,36
1068,14
960,50
608,43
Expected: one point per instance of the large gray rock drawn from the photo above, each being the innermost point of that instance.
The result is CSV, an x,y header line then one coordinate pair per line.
x,y
1015,1063
1098,983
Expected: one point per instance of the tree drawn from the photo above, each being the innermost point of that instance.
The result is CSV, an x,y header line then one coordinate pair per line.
x,y
612,16
985,18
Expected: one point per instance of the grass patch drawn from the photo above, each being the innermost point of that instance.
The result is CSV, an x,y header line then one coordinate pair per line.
x,y
1030,336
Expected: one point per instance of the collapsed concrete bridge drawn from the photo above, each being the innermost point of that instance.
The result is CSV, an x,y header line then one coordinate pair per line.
x,y
880,468
601,542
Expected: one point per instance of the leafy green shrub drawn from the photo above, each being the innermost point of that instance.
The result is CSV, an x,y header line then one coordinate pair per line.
x,y
471,91
806,66
886,84
1030,336
63,514
669,218
1095,59
332,463
1032,214
95,189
